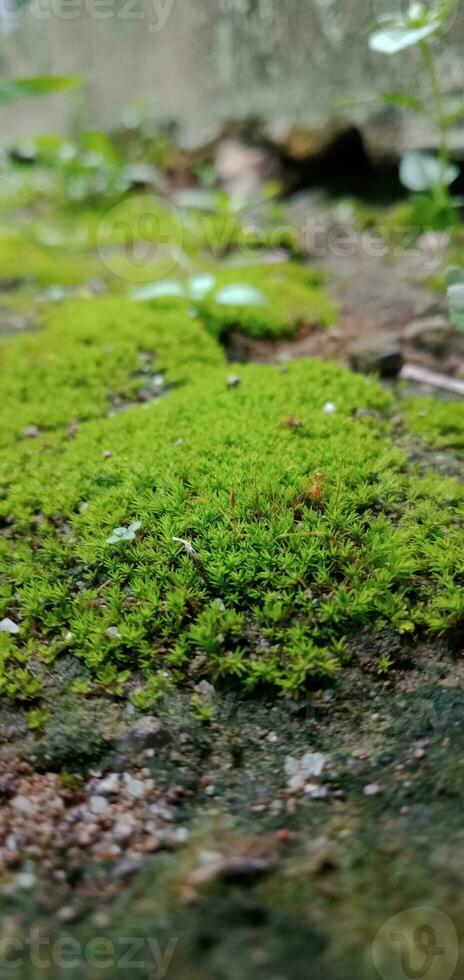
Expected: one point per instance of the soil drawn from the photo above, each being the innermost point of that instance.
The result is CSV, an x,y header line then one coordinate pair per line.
x,y
377,298
262,875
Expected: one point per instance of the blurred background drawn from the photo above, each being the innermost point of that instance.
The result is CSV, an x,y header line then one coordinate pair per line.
x,y
200,63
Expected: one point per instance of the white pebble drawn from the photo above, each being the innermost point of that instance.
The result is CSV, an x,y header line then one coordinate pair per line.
x,y
98,804
135,787
8,626
372,789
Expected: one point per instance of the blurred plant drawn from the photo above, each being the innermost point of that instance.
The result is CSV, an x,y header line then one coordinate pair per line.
x,y
428,177
455,282
17,89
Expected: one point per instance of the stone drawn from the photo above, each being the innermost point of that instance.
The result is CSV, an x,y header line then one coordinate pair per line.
x,y
135,787
123,830
301,771
149,733
113,633
30,432
372,789
8,626
22,805
109,786
378,355
98,804
26,880
434,334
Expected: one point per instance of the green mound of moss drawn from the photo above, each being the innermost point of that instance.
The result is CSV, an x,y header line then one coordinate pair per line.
x,y
92,357
441,424
293,294
242,533
44,265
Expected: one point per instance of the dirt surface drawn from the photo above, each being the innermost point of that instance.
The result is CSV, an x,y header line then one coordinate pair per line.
x,y
288,834
378,298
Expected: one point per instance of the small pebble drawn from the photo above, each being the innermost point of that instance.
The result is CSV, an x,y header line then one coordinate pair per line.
x,y
135,787
66,914
22,805
372,789
8,626
113,633
30,432
109,785
25,880
98,804
123,830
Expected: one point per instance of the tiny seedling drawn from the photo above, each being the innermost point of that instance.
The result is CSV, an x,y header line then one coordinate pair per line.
x,y
428,177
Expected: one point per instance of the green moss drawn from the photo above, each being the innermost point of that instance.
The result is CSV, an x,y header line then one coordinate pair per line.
x,y
281,563
295,298
91,358
42,265
439,423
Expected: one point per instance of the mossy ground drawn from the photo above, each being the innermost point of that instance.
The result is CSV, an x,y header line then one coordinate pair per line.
x,y
268,529
278,541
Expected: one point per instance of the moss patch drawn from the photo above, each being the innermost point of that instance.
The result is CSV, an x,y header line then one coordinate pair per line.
x,y
94,356
42,265
258,532
439,423
294,299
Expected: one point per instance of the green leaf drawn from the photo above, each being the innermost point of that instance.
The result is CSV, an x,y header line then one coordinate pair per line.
x,y
423,172
240,295
16,89
453,117
455,275
124,533
396,37
456,304
200,286
403,99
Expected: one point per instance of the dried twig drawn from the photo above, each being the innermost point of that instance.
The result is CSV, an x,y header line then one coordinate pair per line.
x,y
411,372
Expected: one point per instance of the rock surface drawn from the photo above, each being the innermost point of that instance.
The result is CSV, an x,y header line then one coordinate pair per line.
x,y
377,355
433,334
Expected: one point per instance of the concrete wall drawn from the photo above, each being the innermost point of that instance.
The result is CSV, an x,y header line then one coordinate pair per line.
x,y
202,61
